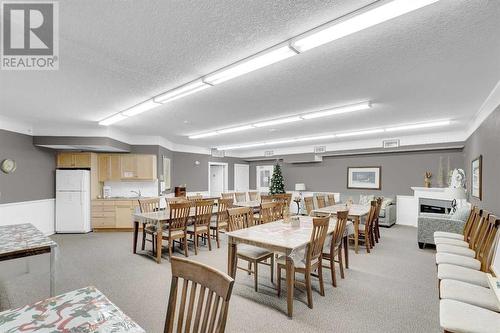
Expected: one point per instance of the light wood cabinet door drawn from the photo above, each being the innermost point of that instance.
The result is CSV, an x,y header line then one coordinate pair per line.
x,y
103,163
114,172
65,160
82,160
128,166
146,166
123,215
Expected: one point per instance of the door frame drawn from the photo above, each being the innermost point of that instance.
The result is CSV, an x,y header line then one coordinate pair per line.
x,y
225,167
257,178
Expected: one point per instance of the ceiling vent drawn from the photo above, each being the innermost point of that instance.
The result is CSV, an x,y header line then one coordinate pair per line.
x,y
217,153
269,153
319,149
392,143
303,158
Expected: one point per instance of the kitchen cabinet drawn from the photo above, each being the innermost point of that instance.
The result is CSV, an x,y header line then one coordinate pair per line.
x,y
109,167
113,214
138,167
74,160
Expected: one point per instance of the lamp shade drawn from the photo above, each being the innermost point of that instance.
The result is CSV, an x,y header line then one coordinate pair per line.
x,y
457,193
300,187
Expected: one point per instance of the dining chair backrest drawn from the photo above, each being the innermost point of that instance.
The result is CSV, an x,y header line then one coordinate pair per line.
x,y
175,200
331,199
372,215
240,196
318,236
309,204
479,226
267,212
379,201
339,231
195,197
266,198
199,298
490,258
253,196
469,224
222,206
149,205
320,200
488,240
203,212
179,214
227,195
238,217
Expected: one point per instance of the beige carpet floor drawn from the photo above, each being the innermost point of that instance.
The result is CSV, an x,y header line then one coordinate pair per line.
x,y
393,289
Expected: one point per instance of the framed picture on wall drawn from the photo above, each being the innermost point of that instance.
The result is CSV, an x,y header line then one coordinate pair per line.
x,y
477,178
364,178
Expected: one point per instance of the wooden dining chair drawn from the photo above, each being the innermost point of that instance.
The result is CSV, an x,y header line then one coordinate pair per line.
x,y
365,231
202,303
375,226
220,222
240,218
253,196
179,214
240,196
201,225
267,212
309,204
195,197
148,206
227,195
320,200
266,198
171,200
334,249
312,260
331,199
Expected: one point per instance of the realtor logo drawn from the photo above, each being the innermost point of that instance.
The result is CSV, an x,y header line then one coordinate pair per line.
x,y
30,36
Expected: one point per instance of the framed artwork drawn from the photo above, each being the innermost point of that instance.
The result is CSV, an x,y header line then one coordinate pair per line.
x,y
477,178
364,178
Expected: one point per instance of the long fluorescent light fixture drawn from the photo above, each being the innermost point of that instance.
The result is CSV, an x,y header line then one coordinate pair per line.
x,y
140,108
338,110
279,121
113,119
418,126
181,91
358,22
245,66
339,135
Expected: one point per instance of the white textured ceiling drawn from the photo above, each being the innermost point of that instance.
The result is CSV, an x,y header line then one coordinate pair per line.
x,y
441,61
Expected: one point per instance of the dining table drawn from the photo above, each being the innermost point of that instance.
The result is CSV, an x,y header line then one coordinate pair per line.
x,y
254,204
279,237
25,240
158,219
356,212
82,310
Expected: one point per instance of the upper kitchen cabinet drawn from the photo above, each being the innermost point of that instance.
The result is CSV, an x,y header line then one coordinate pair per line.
x,y
115,167
109,167
74,160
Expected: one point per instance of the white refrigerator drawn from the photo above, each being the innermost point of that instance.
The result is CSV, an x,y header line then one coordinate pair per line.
x,y
73,201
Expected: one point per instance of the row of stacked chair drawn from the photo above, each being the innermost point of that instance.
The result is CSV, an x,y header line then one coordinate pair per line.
x,y
467,304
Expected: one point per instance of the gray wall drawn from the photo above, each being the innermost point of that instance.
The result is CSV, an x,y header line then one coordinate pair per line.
x,y
34,178
185,171
400,171
485,141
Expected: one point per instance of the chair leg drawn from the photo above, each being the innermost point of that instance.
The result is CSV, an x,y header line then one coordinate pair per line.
x,y
196,244
278,277
186,246
272,268
320,276
256,272
154,242
143,237
217,237
332,270
249,268
367,241
209,242
378,229
341,264
170,248
309,289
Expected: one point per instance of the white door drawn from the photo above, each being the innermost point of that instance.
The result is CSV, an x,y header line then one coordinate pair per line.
x,y
216,179
263,177
241,177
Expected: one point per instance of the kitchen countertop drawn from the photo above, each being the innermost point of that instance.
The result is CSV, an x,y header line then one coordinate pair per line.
x,y
126,198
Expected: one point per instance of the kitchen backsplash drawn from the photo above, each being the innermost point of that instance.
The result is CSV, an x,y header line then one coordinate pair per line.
x,y
123,189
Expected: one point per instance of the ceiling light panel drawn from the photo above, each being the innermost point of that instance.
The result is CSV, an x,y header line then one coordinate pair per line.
x,y
204,135
418,126
235,129
245,66
338,110
182,91
140,108
358,133
277,121
113,119
358,22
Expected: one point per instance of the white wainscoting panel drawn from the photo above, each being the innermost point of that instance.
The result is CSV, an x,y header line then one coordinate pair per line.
x,y
40,213
407,210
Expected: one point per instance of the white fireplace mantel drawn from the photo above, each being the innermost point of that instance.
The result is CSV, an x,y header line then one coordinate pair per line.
x,y
438,193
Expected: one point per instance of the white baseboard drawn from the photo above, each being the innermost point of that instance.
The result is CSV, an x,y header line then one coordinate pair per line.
x,y
40,213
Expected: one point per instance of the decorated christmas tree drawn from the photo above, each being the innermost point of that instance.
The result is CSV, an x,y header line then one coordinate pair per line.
x,y
277,185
